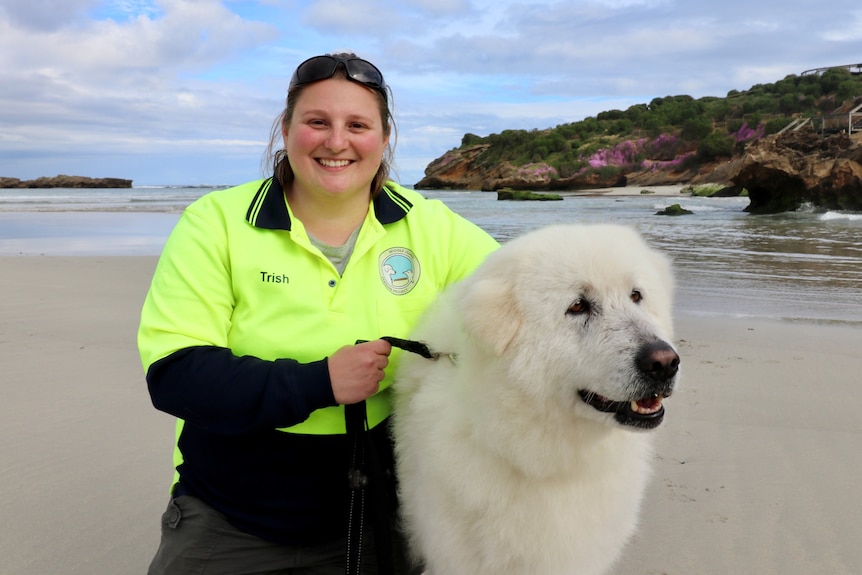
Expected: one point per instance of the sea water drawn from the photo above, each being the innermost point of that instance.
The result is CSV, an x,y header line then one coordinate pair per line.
x,y
804,265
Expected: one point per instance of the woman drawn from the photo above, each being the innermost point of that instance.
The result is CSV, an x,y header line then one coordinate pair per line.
x,y
249,332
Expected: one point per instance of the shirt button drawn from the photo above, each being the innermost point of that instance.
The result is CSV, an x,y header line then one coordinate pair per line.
x,y
331,283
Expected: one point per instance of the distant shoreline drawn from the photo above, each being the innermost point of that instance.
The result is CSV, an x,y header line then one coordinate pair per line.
x,y
663,190
64,181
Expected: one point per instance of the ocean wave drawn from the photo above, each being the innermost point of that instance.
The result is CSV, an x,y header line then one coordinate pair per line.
x,y
851,216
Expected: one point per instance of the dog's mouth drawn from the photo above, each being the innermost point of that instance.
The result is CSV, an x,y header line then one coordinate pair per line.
x,y
644,413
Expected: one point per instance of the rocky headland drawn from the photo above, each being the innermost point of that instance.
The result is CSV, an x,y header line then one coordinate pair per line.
x,y
63,181
460,170
780,172
783,172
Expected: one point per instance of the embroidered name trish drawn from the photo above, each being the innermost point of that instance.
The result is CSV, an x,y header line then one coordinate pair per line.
x,y
269,278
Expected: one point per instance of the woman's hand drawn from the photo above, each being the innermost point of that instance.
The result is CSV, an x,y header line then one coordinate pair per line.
x,y
357,370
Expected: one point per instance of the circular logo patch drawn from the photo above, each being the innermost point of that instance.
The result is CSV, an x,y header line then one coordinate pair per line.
x,y
399,270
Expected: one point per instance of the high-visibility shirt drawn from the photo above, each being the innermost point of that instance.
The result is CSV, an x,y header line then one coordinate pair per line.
x,y
241,315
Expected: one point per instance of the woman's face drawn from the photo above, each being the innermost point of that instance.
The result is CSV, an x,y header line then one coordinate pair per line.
x,y
335,139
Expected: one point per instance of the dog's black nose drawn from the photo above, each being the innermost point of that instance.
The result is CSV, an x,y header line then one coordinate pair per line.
x,y
658,361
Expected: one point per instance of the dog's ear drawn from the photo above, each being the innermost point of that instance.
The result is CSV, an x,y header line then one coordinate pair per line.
x,y
490,314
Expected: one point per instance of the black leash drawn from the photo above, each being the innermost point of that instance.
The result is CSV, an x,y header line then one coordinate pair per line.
x,y
367,479
417,347
356,422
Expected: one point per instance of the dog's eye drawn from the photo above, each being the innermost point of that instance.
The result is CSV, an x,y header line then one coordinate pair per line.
x,y
579,306
636,296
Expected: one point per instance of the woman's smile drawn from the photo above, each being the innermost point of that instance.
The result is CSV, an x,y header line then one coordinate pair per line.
x,y
333,163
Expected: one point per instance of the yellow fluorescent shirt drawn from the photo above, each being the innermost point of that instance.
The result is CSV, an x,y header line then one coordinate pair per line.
x,y
239,272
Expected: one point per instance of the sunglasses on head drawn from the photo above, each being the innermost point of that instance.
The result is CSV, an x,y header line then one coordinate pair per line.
x,y
324,67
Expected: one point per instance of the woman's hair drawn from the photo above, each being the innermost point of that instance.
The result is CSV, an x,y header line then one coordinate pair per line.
x,y
276,159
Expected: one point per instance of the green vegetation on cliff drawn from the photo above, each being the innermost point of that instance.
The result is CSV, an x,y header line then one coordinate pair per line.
x,y
671,131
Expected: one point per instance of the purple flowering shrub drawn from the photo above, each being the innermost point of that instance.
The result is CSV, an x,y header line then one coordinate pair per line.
x,y
663,152
746,132
538,171
665,147
623,154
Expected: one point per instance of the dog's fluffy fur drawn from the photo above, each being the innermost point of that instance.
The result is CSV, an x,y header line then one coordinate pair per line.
x,y
522,455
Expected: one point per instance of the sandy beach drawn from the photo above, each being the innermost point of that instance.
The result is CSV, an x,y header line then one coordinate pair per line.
x,y
668,191
757,469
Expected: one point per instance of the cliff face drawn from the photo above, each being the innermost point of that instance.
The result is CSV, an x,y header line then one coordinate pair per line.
x,y
782,172
462,169
459,170
455,170
63,181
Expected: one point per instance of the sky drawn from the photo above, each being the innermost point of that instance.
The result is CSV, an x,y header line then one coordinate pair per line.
x,y
185,92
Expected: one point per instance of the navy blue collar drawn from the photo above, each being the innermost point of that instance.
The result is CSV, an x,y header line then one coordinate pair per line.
x,y
268,209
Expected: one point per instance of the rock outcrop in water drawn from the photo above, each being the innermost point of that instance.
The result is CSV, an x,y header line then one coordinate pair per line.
x,y
784,171
63,181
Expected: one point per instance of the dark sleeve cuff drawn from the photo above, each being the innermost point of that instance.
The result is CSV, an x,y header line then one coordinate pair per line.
x,y
217,391
314,378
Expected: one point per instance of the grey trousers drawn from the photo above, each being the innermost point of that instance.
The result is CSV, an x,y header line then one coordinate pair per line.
x,y
197,539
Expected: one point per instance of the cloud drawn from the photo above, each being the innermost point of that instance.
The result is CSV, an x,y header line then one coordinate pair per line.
x,y
440,7
193,85
187,36
43,15
599,40
347,17
848,29
132,85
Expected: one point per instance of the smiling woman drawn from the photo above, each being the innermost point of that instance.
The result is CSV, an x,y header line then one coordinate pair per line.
x,y
250,337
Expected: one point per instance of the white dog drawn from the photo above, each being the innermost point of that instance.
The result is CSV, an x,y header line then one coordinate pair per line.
x,y
520,454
